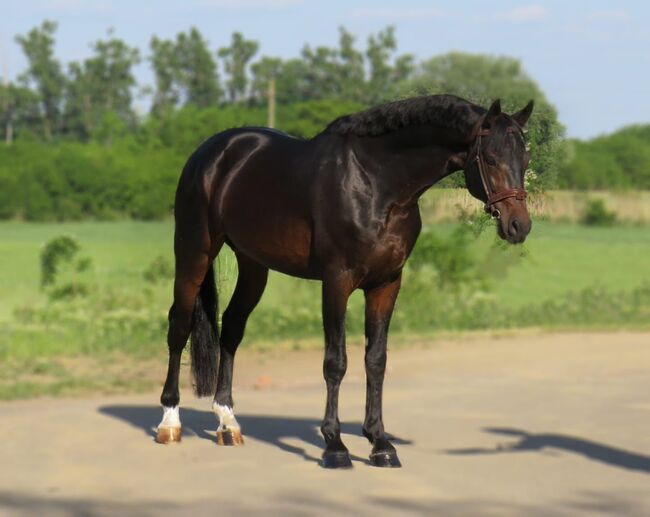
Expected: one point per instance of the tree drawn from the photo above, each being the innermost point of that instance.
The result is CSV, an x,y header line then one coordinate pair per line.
x,y
482,79
44,74
263,70
321,72
337,72
384,74
184,69
19,111
100,86
236,58
166,67
197,70
351,72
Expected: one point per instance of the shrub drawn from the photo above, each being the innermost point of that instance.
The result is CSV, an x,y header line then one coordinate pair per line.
x,y
57,257
597,214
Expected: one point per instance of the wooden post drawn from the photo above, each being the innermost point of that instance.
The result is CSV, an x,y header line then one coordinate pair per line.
x,y
271,100
9,127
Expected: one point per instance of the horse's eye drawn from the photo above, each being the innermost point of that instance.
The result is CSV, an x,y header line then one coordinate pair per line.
x,y
490,160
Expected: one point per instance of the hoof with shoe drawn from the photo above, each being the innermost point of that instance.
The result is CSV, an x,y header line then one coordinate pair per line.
x,y
168,435
229,437
336,460
386,459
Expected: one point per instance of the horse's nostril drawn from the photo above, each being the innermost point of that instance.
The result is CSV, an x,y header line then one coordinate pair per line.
x,y
515,226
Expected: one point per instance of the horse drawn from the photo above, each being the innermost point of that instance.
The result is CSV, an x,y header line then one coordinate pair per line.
x,y
342,208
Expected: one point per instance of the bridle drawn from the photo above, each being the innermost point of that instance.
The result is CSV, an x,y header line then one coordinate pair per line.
x,y
494,197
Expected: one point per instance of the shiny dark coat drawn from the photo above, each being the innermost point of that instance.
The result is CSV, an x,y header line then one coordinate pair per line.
x,y
342,208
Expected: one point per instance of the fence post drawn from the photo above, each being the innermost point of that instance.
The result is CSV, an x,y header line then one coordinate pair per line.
x,y
271,100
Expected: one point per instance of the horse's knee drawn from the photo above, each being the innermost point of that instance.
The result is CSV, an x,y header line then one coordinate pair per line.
x,y
334,367
375,365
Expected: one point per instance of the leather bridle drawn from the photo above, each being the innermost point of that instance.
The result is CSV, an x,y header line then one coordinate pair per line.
x,y
493,197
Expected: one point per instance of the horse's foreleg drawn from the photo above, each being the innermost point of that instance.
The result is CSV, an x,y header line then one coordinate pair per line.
x,y
380,302
251,282
336,291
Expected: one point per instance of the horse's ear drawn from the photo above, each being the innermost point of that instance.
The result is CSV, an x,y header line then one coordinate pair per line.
x,y
521,117
492,113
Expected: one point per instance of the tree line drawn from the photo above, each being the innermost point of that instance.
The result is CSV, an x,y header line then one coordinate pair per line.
x,y
620,160
49,101
79,148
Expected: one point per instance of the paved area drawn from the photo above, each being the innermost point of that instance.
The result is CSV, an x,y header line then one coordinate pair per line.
x,y
536,424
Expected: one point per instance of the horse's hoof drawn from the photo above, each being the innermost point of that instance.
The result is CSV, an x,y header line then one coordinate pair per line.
x,y
168,435
230,437
386,459
336,460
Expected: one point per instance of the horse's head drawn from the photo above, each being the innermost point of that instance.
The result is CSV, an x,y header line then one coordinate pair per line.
x,y
494,170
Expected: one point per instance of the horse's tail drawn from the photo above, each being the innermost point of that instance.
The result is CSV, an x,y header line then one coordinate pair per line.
x,y
205,337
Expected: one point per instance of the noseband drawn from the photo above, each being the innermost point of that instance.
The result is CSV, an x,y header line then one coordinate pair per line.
x,y
493,197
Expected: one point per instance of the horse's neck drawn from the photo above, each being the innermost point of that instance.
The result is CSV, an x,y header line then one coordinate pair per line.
x,y
406,163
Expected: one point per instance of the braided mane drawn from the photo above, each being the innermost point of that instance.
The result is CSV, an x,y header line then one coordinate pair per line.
x,y
446,111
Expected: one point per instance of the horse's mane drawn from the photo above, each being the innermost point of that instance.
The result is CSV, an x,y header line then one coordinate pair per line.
x,y
447,111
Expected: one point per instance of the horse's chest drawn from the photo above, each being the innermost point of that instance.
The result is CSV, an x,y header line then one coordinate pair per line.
x,y
388,254
388,247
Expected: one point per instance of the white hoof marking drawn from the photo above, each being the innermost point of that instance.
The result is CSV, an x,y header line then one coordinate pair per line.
x,y
226,417
171,417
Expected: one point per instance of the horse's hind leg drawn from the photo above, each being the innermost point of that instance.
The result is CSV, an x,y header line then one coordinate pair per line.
x,y
251,282
192,264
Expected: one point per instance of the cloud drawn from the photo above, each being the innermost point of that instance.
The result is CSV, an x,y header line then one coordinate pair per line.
x,y
248,4
392,13
524,13
613,16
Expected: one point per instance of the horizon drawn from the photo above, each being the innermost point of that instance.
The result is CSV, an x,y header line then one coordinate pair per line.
x,y
576,55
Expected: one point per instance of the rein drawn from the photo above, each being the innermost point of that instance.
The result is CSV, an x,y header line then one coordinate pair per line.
x,y
493,197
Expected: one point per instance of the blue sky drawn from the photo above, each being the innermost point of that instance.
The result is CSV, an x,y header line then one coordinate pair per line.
x,y
592,58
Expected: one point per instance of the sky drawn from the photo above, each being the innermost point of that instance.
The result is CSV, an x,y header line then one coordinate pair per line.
x,y
591,58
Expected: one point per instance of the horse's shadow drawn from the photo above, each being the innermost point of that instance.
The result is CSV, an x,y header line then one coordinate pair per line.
x,y
274,430
527,442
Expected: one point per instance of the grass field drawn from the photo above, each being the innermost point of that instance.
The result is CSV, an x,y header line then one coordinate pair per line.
x,y
115,342
120,252
559,258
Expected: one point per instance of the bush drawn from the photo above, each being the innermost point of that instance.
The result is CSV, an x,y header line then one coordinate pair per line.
x,y
136,176
597,214
59,269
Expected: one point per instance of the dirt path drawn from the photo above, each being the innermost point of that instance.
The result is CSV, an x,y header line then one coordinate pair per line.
x,y
525,425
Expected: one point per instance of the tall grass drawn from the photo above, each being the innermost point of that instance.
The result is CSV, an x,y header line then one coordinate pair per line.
x,y
444,205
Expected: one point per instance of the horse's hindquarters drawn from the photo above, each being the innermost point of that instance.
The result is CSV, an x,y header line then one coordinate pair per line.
x,y
264,209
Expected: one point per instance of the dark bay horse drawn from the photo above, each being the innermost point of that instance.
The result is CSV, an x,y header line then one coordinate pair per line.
x,y
342,208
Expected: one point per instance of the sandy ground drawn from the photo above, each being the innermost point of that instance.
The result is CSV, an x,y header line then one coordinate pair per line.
x,y
521,425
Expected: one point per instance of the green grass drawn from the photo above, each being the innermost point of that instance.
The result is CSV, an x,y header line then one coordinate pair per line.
x,y
120,251
560,258
563,258
43,343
